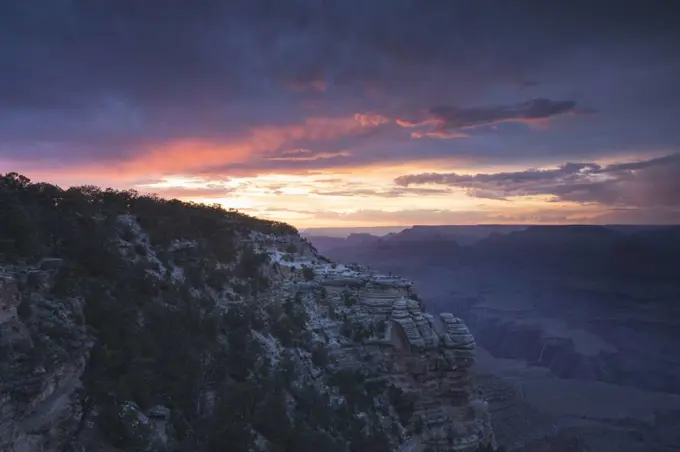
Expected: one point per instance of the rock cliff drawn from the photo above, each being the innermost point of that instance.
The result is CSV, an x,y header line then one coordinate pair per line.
x,y
375,324
131,323
44,347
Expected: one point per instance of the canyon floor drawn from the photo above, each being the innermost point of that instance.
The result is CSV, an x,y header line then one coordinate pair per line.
x,y
569,365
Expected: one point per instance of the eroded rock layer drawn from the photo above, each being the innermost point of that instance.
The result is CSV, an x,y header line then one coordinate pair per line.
x,y
380,328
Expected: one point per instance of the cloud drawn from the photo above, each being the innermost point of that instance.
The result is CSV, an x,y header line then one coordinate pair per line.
x,y
311,143
394,192
448,216
115,91
189,188
444,135
331,180
445,121
189,192
371,119
525,84
210,68
645,183
302,155
409,217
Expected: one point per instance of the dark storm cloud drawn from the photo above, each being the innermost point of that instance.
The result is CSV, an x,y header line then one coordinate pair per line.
x,y
445,119
647,183
96,79
455,118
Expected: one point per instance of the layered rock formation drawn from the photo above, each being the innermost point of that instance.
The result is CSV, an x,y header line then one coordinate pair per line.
x,y
389,337
44,349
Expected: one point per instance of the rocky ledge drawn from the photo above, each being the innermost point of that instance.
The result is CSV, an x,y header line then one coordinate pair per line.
x,y
375,323
44,348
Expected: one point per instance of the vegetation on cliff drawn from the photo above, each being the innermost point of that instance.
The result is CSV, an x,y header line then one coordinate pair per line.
x,y
179,308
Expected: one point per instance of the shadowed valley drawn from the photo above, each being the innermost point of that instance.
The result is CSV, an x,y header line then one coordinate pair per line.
x,y
578,326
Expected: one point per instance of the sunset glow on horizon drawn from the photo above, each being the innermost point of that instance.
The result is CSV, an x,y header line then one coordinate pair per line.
x,y
561,115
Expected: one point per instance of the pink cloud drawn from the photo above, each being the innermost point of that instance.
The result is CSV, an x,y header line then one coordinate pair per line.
x,y
371,119
187,156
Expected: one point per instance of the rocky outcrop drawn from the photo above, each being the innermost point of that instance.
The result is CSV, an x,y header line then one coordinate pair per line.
x,y
44,350
368,321
152,325
382,330
9,298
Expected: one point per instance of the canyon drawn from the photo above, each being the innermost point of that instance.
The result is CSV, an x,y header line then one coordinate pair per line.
x,y
132,323
576,328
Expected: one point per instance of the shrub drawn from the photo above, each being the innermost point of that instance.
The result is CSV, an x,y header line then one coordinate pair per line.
x,y
319,356
418,425
140,249
348,298
308,273
403,403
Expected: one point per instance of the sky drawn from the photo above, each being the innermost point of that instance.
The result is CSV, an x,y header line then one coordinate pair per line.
x,y
353,112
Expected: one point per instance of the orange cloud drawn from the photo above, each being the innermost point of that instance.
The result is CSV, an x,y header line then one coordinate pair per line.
x,y
189,155
312,129
370,119
187,192
439,134
410,124
184,155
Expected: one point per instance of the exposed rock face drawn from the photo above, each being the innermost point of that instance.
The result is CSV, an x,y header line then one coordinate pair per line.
x,y
9,298
44,353
426,358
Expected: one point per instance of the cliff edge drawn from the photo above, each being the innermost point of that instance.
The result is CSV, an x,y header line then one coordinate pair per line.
x,y
132,323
